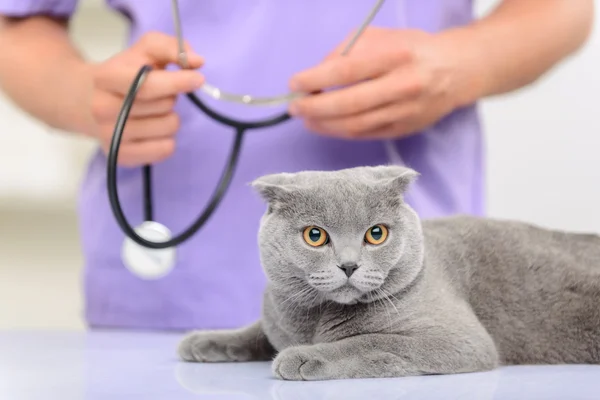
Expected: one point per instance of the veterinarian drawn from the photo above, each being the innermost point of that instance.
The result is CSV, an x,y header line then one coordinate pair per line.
x,y
407,94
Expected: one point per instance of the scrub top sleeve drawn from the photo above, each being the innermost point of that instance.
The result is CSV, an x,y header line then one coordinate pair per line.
x,y
26,8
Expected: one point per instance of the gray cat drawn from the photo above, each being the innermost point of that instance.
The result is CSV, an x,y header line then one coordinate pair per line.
x,y
359,287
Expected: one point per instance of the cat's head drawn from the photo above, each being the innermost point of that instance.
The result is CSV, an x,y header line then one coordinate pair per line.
x,y
346,236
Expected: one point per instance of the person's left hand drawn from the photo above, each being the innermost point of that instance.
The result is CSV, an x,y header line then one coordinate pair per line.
x,y
395,83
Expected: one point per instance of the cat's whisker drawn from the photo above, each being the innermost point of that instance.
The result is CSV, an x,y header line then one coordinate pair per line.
x,y
300,296
376,303
321,275
297,296
392,296
320,306
370,284
315,284
290,280
387,312
380,299
387,297
371,302
296,301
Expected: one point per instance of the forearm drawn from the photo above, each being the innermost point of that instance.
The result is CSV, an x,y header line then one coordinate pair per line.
x,y
518,43
42,72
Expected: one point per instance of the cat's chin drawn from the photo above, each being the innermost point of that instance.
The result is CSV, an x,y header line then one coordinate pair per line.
x,y
345,295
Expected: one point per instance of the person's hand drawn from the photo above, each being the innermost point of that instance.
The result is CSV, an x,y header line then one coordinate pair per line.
x,y
391,84
149,134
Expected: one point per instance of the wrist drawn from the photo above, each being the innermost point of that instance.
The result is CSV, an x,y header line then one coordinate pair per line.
x,y
466,62
79,119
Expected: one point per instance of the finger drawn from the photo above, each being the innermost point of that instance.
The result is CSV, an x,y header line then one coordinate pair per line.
x,y
145,128
346,70
358,98
362,125
162,49
136,154
107,106
334,72
158,83
152,108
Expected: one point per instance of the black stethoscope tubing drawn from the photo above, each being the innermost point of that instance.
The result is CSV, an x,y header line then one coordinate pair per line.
x,y
240,129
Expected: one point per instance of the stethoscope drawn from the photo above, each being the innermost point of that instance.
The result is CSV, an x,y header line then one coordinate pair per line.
x,y
149,250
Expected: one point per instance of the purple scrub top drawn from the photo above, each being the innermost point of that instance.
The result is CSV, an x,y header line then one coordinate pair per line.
x,y
253,47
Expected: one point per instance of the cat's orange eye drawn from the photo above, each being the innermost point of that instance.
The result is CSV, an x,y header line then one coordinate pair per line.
x,y
376,235
315,236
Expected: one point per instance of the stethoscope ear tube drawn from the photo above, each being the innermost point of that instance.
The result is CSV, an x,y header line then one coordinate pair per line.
x,y
217,195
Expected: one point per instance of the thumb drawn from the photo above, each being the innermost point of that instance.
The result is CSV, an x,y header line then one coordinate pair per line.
x,y
162,49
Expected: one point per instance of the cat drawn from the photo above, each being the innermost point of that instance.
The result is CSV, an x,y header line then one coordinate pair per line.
x,y
360,287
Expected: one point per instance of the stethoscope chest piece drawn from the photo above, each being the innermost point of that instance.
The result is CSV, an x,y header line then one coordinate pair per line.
x,y
147,263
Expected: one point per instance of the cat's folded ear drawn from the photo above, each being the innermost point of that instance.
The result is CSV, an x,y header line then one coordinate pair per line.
x,y
273,188
396,177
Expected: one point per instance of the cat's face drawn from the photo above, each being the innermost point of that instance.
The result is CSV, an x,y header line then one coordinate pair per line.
x,y
347,235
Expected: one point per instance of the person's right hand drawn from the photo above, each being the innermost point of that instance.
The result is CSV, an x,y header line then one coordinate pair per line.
x,y
149,134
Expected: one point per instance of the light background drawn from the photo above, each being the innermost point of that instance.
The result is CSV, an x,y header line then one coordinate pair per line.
x,y
543,167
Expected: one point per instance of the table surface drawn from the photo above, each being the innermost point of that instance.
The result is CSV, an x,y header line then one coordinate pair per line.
x,y
117,365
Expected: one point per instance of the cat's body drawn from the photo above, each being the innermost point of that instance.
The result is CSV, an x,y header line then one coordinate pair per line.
x,y
444,296
536,291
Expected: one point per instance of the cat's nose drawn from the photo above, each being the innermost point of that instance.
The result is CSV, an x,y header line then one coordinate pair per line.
x,y
348,268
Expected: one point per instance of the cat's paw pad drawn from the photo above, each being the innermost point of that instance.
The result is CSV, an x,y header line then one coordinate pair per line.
x,y
212,347
300,363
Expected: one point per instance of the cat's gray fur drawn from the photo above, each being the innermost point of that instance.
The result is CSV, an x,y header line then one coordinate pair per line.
x,y
443,296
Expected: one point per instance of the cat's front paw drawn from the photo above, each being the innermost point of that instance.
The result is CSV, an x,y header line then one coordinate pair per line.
x,y
301,363
213,346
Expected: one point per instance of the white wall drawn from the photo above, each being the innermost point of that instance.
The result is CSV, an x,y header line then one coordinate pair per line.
x,y
543,167
543,143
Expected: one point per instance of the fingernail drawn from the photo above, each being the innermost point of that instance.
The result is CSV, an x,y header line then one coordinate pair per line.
x,y
198,81
197,58
294,85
